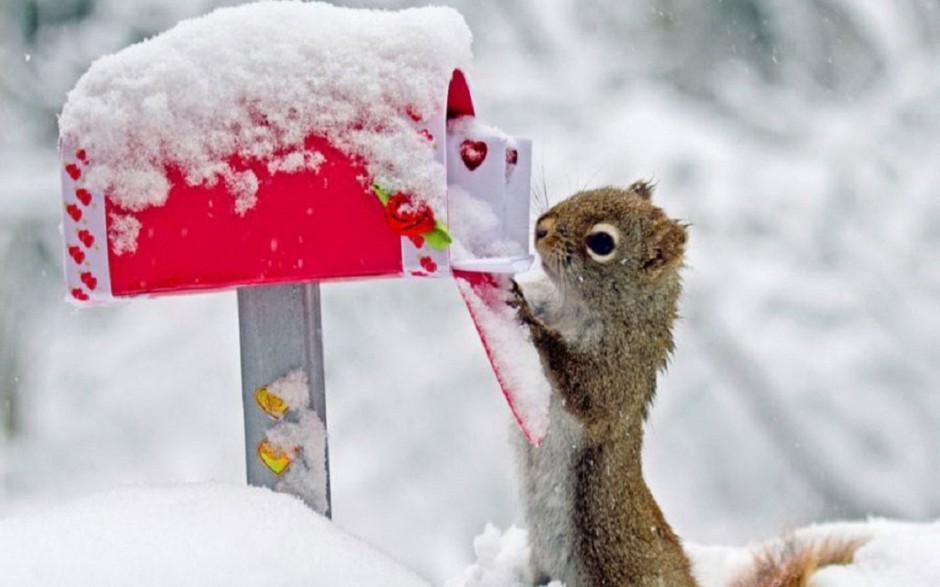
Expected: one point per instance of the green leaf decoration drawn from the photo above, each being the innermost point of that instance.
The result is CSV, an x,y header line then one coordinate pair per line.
x,y
381,194
439,238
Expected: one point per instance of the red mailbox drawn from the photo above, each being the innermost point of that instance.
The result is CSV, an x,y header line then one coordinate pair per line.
x,y
281,145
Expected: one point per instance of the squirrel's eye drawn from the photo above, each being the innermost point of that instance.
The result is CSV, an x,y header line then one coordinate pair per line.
x,y
601,242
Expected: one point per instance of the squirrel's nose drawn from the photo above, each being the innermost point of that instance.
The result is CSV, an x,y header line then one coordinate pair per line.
x,y
543,227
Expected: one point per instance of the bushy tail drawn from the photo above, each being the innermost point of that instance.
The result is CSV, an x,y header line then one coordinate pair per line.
x,y
792,562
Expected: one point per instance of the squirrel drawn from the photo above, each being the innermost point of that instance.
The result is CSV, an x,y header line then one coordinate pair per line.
x,y
602,325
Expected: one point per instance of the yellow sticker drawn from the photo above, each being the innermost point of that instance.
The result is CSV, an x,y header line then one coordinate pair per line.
x,y
273,458
271,403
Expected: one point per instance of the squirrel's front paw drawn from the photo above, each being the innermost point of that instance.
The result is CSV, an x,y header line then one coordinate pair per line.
x,y
524,312
545,338
520,304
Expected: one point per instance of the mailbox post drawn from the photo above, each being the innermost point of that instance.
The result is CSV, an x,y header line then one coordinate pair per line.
x,y
279,330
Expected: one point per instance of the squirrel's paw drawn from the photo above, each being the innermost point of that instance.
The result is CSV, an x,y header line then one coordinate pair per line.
x,y
524,312
520,304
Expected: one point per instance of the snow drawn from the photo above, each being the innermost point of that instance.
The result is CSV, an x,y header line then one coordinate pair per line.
x,y
306,477
301,434
897,553
472,224
255,81
122,233
297,161
900,554
211,534
192,535
502,561
293,388
472,128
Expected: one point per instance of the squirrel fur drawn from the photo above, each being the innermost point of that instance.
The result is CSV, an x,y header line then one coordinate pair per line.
x,y
603,328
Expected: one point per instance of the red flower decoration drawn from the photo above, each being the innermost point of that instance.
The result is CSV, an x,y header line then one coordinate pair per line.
x,y
408,217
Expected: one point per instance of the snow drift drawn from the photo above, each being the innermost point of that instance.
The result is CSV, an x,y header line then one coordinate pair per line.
x,y
199,536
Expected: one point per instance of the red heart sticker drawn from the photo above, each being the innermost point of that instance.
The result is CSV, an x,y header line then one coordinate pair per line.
x,y
79,294
87,238
83,195
473,153
88,279
74,211
73,171
428,264
512,157
82,155
77,254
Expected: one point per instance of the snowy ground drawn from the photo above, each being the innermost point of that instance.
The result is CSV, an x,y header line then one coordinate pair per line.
x,y
229,535
202,535
894,554
799,138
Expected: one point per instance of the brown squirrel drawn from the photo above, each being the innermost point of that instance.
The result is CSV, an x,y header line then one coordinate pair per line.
x,y
603,329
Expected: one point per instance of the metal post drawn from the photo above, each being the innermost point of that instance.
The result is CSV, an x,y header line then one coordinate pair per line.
x,y
280,331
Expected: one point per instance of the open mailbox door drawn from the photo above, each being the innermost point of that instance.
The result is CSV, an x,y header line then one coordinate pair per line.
x,y
273,146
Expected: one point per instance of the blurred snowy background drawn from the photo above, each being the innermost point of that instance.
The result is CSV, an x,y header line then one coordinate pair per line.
x,y
800,137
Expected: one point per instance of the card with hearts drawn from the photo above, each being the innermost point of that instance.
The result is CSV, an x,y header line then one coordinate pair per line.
x,y
87,276
488,174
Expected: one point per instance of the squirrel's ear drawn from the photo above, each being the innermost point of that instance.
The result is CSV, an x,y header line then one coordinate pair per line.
x,y
643,189
667,245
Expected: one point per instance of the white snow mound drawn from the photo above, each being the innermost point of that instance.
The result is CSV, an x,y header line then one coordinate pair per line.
x,y
502,561
200,536
254,81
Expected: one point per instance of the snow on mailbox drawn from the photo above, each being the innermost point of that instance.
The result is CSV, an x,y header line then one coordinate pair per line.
x,y
286,143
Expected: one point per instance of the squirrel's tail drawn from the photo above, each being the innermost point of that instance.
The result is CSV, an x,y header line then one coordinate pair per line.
x,y
792,562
